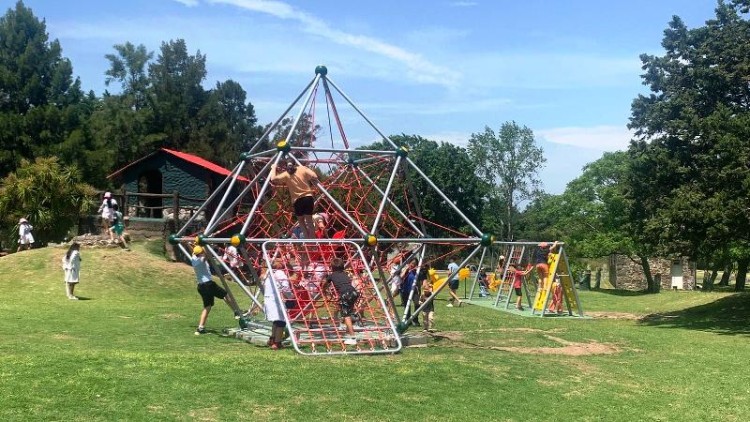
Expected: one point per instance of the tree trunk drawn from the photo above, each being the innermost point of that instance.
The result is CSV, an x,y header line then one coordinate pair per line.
x,y
727,274
709,277
652,286
508,215
739,280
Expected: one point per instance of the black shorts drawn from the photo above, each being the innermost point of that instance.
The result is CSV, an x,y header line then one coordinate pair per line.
x,y
453,284
347,301
518,291
208,291
304,206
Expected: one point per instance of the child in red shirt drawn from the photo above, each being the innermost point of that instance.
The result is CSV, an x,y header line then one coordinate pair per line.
x,y
518,282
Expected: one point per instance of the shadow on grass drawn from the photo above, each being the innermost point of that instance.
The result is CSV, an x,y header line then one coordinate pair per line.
x,y
618,292
728,315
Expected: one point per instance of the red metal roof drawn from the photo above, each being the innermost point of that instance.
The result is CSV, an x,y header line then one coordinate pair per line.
x,y
189,158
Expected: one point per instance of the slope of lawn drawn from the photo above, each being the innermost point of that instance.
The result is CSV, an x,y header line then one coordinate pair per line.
x,y
127,352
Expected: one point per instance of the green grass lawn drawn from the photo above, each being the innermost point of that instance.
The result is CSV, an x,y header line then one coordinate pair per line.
x,y
128,352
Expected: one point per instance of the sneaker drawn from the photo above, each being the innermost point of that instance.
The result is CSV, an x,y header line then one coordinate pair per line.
x,y
520,308
350,341
237,315
450,305
199,331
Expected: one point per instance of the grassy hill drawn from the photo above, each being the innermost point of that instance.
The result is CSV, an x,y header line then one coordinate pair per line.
x,y
128,352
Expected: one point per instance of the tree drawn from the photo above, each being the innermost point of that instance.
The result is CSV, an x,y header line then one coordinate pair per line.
x,y
227,124
128,67
451,169
176,94
41,105
50,195
509,162
691,184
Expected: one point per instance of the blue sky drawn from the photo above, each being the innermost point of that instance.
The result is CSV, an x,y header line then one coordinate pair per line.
x,y
442,69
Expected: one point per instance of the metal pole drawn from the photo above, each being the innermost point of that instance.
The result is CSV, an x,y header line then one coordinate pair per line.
x,y
244,191
410,298
276,123
479,270
351,103
393,204
233,176
445,198
261,194
424,240
290,135
203,205
234,277
345,150
388,187
435,293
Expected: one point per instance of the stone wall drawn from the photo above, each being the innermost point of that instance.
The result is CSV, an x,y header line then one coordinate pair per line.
x,y
626,274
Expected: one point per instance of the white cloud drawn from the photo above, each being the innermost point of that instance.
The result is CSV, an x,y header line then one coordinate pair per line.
x,y
549,70
418,68
188,3
602,138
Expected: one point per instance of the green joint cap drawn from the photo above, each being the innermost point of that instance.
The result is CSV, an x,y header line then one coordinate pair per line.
x,y
321,70
402,152
351,162
487,239
245,156
173,239
243,323
200,240
401,327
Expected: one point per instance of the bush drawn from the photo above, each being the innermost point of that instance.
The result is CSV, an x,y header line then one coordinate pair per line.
x,y
50,195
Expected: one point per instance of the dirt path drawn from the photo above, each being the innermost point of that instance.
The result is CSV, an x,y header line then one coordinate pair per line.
x,y
566,348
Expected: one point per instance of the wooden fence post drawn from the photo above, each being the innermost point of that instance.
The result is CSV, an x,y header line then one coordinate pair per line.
x,y
176,205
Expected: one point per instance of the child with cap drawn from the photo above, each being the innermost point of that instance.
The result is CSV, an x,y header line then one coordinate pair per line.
x,y
25,238
108,214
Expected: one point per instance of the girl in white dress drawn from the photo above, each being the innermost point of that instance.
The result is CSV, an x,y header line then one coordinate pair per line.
x,y
271,305
25,238
108,214
71,264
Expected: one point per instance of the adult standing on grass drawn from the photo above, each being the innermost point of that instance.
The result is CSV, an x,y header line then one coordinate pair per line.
x,y
207,288
25,238
107,210
300,181
71,264
453,283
